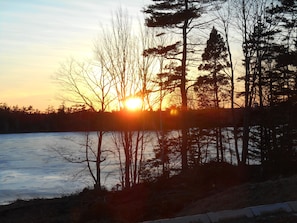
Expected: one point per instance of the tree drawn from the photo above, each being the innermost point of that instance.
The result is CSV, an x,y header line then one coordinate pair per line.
x,y
120,49
279,70
177,15
225,16
215,61
284,15
266,82
84,83
247,14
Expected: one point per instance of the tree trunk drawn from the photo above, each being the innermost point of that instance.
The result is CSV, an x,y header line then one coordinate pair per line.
x,y
127,145
98,160
184,148
246,118
235,130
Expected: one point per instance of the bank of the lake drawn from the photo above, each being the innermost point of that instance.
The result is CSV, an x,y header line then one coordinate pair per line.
x,y
177,196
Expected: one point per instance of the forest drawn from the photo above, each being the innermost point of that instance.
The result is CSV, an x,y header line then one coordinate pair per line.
x,y
227,68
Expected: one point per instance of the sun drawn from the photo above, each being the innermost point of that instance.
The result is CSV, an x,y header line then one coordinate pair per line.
x,y
133,103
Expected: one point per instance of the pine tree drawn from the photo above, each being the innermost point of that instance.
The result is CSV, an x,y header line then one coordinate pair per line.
x,y
177,15
215,61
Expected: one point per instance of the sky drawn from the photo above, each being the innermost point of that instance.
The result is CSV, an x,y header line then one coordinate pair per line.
x,y
37,36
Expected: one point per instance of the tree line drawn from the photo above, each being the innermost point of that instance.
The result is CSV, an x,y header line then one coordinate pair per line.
x,y
78,118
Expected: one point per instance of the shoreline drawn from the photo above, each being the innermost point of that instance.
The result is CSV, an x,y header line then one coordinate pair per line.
x,y
175,197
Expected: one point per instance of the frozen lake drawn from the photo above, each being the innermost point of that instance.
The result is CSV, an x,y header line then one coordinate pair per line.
x,y
30,166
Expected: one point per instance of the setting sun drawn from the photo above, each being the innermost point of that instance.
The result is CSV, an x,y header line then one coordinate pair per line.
x,y
133,104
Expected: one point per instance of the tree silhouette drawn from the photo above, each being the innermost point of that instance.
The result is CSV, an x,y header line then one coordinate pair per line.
x,y
215,61
176,15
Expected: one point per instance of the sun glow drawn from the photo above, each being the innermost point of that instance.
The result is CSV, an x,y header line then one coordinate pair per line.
x,y
133,103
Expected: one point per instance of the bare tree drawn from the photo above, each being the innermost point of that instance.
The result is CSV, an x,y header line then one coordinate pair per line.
x,y
87,84
247,13
120,50
225,17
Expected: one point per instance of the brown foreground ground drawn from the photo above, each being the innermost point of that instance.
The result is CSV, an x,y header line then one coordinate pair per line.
x,y
187,194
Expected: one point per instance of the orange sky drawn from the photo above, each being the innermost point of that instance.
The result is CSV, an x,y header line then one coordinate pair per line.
x,y
37,36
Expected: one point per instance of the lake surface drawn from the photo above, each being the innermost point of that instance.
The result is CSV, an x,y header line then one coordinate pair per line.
x,y
32,165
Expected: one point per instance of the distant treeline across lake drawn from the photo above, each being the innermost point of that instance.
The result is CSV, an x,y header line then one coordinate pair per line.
x,y
19,121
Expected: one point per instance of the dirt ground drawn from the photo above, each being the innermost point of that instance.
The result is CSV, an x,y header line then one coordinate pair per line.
x,y
248,194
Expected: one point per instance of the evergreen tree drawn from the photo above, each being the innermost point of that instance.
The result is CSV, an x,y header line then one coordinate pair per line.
x,y
215,61
280,129
269,48
177,15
